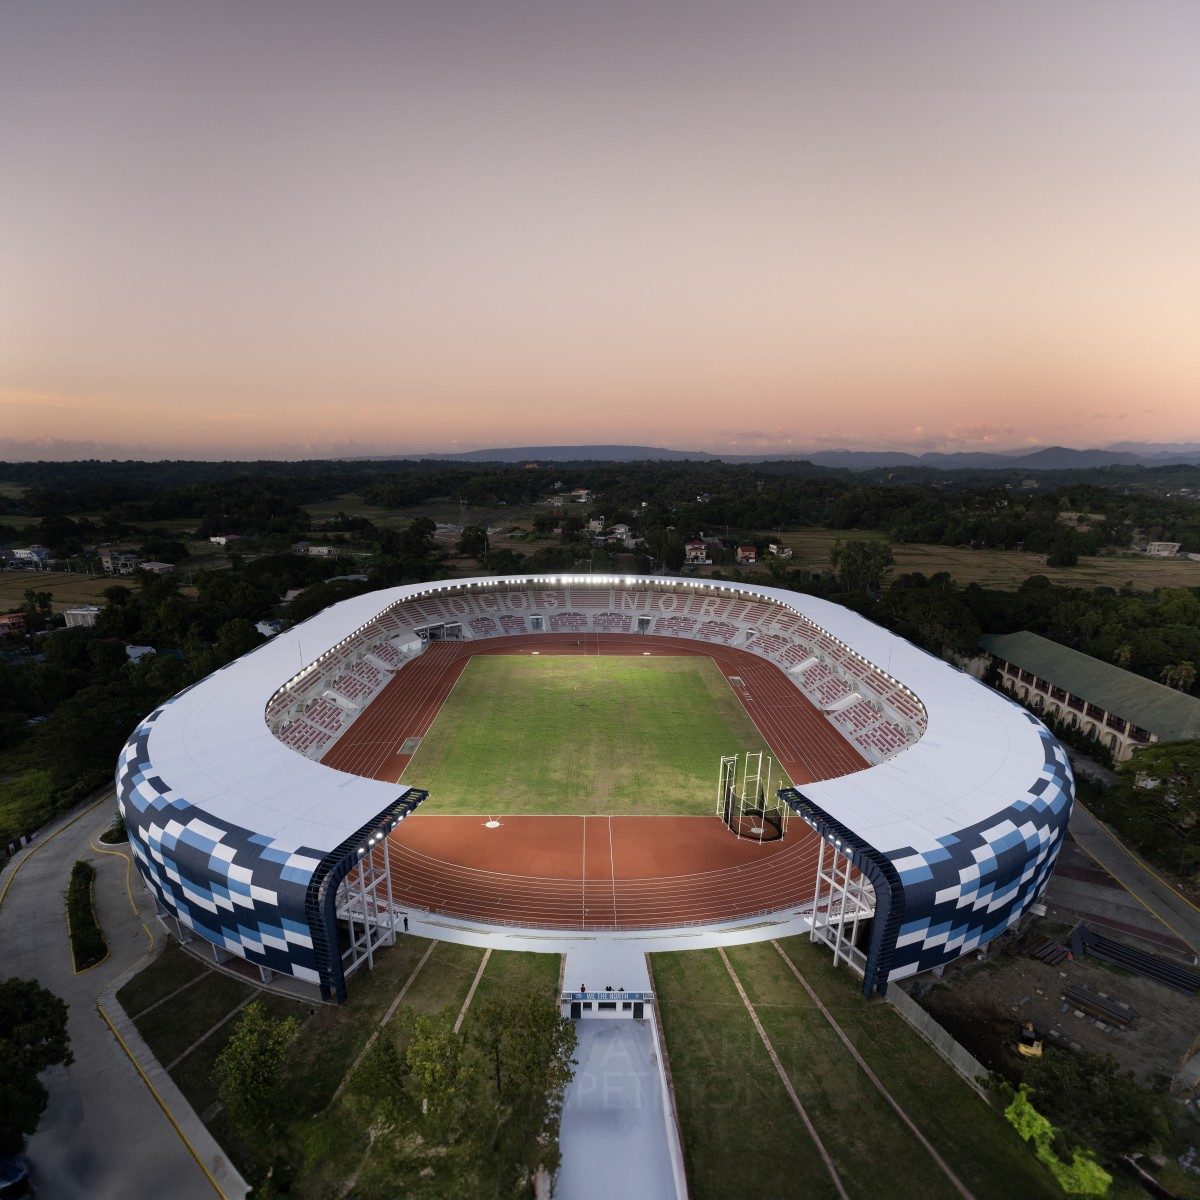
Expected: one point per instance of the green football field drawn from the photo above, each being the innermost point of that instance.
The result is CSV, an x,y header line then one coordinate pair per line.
x,y
568,734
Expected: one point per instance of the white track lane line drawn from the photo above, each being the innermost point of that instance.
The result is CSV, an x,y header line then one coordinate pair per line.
x,y
612,868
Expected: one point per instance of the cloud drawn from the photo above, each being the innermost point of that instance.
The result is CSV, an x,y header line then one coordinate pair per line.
x,y
977,433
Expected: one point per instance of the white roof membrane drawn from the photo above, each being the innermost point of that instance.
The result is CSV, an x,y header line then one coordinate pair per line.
x,y
979,754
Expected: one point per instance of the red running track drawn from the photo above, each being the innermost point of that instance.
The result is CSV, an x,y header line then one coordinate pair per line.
x,y
598,872
595,872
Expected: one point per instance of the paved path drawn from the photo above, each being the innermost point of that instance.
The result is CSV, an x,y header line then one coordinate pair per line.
x,y
109,1129
1142,882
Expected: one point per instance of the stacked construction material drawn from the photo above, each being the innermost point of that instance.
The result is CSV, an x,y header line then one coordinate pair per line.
x,y
1052,952
1150,966
1099,1005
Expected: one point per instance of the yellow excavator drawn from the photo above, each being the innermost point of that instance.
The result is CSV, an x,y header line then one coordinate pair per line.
x,y
1030,1044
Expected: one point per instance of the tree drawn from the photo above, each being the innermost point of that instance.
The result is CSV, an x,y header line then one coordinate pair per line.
x,y
861,564
1179,675
416,539
1158,798
249,1071
1096,1103
236,638
527,1043
441,1075
473,543
33,1036
38,608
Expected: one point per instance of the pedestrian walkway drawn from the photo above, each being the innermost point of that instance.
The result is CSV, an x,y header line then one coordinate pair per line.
x,y
116,1126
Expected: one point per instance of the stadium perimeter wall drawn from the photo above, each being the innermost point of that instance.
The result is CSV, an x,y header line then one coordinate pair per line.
x,y
238,835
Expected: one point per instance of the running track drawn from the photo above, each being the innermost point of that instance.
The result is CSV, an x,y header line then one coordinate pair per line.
x,y
595,872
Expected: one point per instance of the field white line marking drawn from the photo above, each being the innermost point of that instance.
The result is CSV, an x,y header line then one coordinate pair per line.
x,y
471,994
612,867
387,1016
959,1186
783,1075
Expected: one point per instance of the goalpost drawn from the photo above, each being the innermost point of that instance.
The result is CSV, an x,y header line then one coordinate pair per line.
x,y
746,804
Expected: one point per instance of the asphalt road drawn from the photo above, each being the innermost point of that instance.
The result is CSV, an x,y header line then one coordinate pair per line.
x,y
1139,879
109,1131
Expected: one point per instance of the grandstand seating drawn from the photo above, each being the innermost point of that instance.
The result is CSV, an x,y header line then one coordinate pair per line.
x,y
611,622
305,737
325,715
824,670
789,622
795,654
352,688
674,625
813,676
830,690
878,683
708,606
884,739
717,631
568,622
387,653
366,673
768,645
589,598
908,705
858,716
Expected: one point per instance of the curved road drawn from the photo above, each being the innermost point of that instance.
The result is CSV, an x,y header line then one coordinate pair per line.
x,y
106,1133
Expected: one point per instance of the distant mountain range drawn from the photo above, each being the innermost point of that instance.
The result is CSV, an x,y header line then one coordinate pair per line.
x,y
1051,458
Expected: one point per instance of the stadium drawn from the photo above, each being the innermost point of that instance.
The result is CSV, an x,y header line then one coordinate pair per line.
x,y
592,754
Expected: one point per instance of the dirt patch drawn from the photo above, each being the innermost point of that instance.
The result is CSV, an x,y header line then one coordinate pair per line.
x,y
984,1003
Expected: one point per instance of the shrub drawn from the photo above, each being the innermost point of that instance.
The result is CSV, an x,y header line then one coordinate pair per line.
x,y
88,946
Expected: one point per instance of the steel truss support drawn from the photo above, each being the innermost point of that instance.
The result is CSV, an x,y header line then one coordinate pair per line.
x,y
842,897
364,902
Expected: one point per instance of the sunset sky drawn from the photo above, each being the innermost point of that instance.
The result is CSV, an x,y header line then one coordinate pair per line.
x,y
234,228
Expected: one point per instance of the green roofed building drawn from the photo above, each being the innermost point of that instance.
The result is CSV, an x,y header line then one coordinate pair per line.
x,y
1122,709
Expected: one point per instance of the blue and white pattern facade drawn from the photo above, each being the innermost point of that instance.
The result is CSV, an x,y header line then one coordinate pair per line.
x,y
243,838
236,888
978,881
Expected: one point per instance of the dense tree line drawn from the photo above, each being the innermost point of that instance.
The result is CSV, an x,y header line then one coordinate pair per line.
x,y
66,710
970,508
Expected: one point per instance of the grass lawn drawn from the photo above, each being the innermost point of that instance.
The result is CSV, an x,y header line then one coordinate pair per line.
x,y
172,969
171,1028
1002,569
980,1146
177,999
351,1141
719,1064
68,588
567,734
741,1135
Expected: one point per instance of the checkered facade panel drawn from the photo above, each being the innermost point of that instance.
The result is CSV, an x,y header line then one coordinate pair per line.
x,y
979,881
232,886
